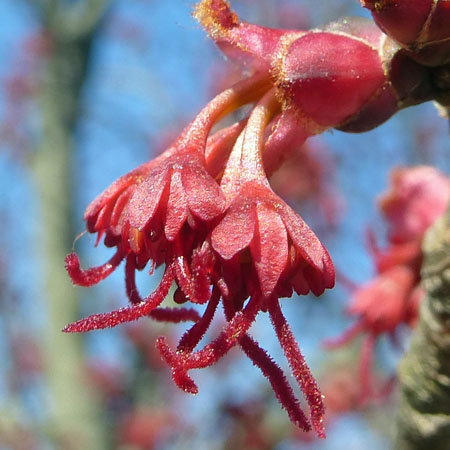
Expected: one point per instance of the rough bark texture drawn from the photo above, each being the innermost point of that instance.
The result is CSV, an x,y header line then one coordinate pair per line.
x,y
424,411
74,411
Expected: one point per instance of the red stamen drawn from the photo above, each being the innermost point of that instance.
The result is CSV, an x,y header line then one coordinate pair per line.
x,y
130,280
211,353
180,377
277,379
122,315
94,275
298,366
195,291
192,337
174,315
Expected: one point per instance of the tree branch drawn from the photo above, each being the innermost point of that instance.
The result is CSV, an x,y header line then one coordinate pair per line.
x,y
71,21
424,408
75,411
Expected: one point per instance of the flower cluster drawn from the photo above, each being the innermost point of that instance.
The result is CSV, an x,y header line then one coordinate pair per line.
x,y
416,198
204,208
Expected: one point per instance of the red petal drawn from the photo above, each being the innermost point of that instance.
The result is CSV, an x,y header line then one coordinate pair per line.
x,y
176,213
204,196
118,211
308,245
242,42
115,189
235,231
145,200
269,248
104,217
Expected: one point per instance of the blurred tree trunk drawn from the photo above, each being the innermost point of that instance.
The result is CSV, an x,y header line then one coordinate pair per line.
x,y
74,411
424,411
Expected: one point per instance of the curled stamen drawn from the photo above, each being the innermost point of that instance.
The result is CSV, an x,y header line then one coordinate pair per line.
x,y
93,275
122,315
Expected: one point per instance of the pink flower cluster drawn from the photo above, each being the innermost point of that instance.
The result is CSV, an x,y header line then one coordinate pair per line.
x,y
204,209
416,198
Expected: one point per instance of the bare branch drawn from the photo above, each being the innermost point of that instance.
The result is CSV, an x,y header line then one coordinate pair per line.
x,y
424,409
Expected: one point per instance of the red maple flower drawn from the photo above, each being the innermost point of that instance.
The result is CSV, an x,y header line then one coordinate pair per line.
x,y
416,198
205,209
160,212
264,251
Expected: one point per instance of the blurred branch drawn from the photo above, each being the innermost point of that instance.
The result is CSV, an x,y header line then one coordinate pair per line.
x,y
75,412
74,20
424,411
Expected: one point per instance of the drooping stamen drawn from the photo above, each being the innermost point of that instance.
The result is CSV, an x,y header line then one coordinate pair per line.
x,y
228,337
271,371
175,315
182,362
93,275
192,337
298,366
277,379
128,314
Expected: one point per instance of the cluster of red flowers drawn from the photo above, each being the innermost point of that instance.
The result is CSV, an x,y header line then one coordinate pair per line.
x,y
417,197
205,209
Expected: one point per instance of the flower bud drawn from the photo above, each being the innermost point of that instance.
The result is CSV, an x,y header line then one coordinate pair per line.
x,y
420,26
329,75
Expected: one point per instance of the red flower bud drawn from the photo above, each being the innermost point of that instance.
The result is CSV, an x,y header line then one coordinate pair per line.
x,y
329,76
421,26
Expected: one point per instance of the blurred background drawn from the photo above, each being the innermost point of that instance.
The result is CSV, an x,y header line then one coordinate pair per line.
x,y
89,89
